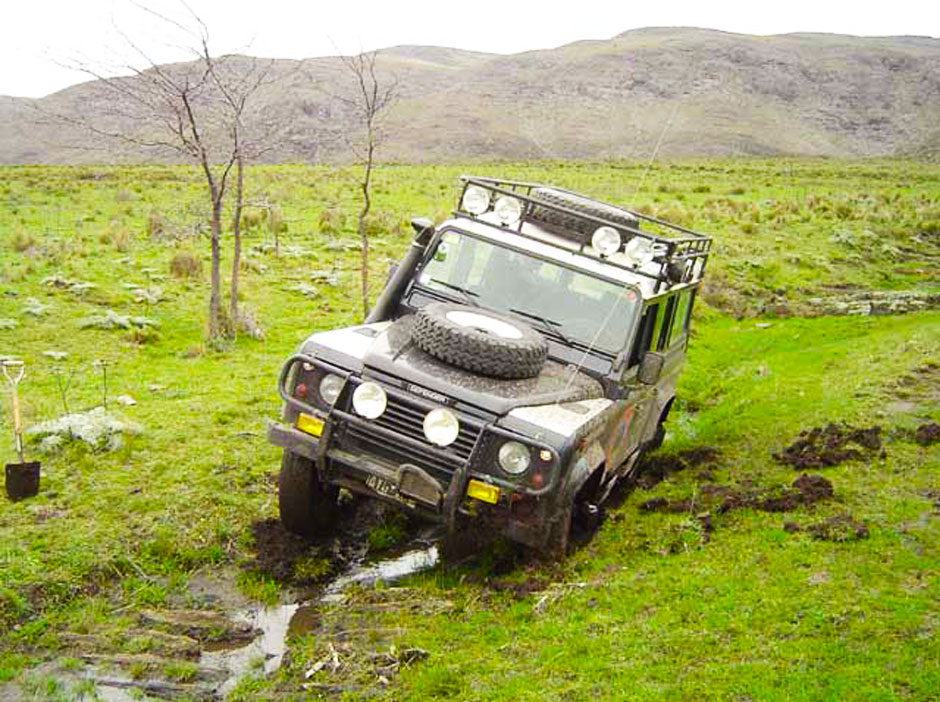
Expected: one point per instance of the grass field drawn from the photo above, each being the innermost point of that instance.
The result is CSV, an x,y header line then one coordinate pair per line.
x,y
694,604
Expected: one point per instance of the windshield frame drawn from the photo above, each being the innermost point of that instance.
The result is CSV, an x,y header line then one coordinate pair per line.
x,y
527,249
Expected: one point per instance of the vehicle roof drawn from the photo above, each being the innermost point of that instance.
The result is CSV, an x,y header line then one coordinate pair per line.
x,y
540,242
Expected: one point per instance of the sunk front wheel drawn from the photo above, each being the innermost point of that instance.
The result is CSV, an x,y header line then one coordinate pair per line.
x,y
307,506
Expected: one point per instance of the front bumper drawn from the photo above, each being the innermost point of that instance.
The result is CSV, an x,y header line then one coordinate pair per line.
x,y
408,487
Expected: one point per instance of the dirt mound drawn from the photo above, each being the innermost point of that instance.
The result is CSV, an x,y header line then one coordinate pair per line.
x,y
805,490
654,469
927,434
843,527
830,445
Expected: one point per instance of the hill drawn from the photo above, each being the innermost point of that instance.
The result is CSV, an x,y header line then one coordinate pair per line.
x,y
719,94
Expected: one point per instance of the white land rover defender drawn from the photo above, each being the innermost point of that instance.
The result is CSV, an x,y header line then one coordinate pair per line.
x,y
520,358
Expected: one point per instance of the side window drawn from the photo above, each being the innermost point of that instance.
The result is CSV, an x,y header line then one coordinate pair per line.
x,y
664,323
644,335
680,321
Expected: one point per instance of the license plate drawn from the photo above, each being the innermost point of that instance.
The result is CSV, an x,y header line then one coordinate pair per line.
x,y
381,486
310,425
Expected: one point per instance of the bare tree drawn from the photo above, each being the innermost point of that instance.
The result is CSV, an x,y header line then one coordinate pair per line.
x,y
236,91
370,102
196,111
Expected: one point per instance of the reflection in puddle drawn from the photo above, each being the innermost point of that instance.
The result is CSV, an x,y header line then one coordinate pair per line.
x,y
385,571
276,624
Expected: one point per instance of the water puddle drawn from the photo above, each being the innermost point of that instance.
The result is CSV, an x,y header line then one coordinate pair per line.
x,y
276,624
386,571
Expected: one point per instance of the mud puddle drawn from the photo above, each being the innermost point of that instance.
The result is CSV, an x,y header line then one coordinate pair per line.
x,y
277,624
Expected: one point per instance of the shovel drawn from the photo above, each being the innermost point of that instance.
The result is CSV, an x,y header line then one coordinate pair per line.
x,y
22,479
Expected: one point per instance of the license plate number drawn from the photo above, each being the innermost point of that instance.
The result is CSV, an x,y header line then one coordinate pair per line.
x,y
381,486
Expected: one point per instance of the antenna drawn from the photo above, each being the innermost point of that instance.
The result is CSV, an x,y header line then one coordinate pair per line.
x,y
613,308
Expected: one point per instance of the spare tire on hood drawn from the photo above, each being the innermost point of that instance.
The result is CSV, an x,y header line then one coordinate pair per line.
x,y
479,340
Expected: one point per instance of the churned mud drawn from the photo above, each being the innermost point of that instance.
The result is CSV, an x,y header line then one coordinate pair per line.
x,y
805,490
842,527
653,469
831,445
927,434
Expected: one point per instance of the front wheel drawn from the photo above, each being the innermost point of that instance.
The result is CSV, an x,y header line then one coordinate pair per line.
x,y
559,535
307,506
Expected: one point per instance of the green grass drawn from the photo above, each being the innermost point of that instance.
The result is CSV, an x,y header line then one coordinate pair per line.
x,y
752,613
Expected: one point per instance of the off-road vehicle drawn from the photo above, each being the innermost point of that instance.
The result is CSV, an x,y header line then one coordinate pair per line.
x,y
520,358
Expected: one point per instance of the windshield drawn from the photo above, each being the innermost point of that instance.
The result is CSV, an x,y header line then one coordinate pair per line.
x,y
566,303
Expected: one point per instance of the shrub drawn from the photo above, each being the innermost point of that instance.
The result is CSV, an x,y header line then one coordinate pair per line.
x,y
253,217
186,264
332,222
156,224
276,223
120,238
22,241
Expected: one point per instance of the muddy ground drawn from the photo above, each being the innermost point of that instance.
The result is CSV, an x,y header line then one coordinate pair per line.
x,y
200,646
831,445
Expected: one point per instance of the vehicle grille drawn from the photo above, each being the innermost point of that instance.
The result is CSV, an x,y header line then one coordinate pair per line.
x,y
406,418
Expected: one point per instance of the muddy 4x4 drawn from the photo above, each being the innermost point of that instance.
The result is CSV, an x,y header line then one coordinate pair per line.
x,y
520,358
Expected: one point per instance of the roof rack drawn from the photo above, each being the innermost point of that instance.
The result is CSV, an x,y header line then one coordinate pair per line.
x,y
679,256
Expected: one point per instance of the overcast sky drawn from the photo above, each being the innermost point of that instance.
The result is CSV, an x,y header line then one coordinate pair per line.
x,y
36,35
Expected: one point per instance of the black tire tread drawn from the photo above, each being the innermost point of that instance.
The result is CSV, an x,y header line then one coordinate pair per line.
x,y
476,351
578,203
307,506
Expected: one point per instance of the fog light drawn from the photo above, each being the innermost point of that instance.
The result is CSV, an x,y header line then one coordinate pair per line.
x,y
370,400
606,241
441,427
639,250
508,210
476,200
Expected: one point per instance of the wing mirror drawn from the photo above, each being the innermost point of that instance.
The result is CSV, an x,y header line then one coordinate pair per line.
x,y
651,367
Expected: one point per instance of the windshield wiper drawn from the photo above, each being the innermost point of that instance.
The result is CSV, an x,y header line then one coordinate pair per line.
x,y
468,295
550,325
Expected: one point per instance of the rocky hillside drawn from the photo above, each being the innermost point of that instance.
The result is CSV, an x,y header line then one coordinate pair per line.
x,y
715,93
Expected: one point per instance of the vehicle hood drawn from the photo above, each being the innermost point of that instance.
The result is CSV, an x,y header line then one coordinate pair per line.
x,y
384,351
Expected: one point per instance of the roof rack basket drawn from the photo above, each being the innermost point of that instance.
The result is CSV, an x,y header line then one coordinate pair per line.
x,y
679,254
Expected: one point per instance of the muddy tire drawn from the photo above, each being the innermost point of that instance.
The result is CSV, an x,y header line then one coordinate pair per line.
x,y
307,506
559,536
657,440
577,203
479,340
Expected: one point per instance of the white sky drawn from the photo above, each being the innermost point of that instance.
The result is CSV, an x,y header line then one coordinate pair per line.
x,y
37,35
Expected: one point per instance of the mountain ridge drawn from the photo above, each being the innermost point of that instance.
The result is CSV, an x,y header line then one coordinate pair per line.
x,y
720,93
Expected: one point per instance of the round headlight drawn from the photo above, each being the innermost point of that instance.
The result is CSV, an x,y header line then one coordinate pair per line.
x,y
330,387
508,209
606,241
441,427
476,200
370,400
514,457
639,250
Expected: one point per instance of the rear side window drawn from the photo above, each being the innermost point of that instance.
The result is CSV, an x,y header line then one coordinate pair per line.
x,y
680,320
664,324
644,335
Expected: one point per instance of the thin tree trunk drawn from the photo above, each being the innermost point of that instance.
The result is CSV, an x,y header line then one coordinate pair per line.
x,y
363,234
215,302
237,244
